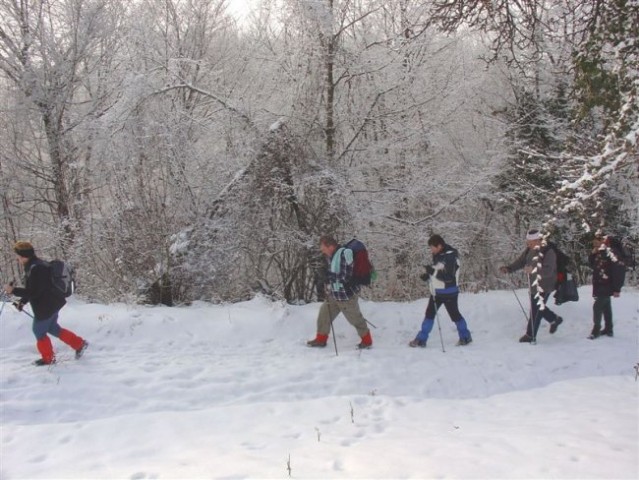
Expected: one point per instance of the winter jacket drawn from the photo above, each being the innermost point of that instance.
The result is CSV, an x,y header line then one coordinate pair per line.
x,y
340,273
446,265
45,299
548,267
608,276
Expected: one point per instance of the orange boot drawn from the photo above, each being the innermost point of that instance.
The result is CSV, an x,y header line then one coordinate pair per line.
x,y
318,341
367,341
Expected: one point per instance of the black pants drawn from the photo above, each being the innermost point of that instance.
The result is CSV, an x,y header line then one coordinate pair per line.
x,y
602,307
536,314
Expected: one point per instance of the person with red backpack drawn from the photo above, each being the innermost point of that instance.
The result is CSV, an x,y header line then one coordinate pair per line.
x,y
342,294
608,276
46,301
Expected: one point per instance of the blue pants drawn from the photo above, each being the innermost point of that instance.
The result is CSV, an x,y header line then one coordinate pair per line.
x,y
48,325
536,315
450,302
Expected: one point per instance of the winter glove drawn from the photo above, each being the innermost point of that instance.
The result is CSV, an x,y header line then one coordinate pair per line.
x,y
425,276
19,306
430,269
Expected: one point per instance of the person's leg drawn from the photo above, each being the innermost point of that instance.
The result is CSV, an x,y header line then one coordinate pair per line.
x,y
547,314
350,309
597,313
535,317
43,342
67,336
550,316
606,309
452,308
327,313
427,325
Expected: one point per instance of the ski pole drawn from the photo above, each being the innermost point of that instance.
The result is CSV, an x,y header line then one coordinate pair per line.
x,y
432,293
5,299
523,310
15,304
334,339
530,317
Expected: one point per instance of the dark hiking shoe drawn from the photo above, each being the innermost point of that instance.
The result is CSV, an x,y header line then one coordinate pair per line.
x,y
364,346
417,343
554,325
592,336
315,343
41,362
464,341
526,339
607,333
80,351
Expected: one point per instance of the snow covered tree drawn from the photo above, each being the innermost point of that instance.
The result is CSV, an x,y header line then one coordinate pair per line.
x,y
261,234
52,56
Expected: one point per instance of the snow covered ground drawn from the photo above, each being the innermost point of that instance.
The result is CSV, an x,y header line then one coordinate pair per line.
x,y
232,392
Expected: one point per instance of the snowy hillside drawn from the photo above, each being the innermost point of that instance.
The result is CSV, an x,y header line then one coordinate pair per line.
x,y
232,392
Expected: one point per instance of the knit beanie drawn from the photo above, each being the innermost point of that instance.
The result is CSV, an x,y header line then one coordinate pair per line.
x,y
533,234
24,249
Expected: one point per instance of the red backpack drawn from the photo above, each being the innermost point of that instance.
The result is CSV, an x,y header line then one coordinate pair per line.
x,y
363,270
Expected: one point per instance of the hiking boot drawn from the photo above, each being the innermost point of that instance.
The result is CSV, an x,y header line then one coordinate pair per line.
x,y
80,351
417,343
316,343
592,336
554,325
41,362
526,339
464,341
607,333
367,341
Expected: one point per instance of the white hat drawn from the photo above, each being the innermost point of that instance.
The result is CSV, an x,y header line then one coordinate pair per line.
x,y
533,234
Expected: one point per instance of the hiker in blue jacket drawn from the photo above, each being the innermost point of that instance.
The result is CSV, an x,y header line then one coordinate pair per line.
x,y
443,275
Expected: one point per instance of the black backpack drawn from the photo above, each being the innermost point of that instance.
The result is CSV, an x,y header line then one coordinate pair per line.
x,y
62,277
565,286
623,251
563,262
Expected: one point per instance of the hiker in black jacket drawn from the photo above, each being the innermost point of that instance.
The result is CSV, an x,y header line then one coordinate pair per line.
x,y
442,277
46,301
540,265
608,275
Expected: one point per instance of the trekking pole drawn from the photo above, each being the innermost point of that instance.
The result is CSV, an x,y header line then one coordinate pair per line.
x,y
5,299
15,304
432,293
334,339
530,319
512,289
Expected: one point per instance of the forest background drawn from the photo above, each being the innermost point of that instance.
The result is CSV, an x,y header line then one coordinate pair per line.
x,y
172,152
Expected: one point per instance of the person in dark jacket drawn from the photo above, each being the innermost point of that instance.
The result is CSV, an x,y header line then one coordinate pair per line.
x,y
442,274
608,275
542,282
46,301
341,295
